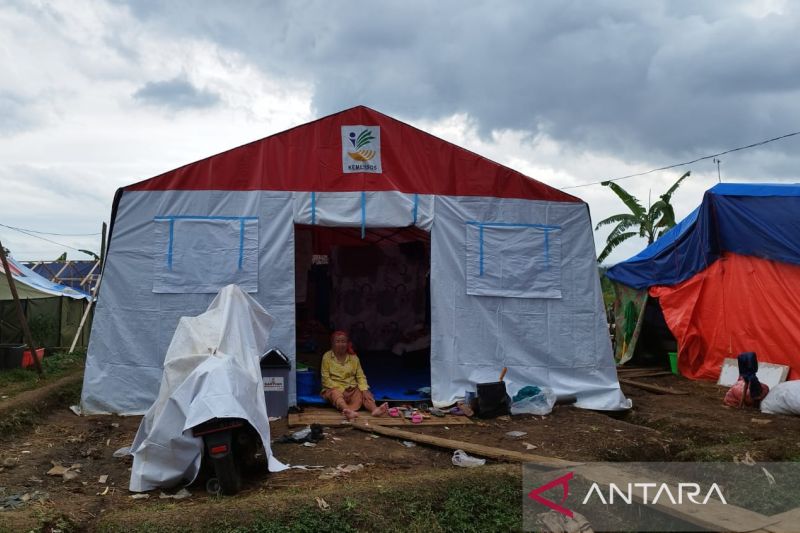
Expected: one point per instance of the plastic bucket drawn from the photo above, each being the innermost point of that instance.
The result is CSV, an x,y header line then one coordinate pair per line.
x,y
308,383
673,362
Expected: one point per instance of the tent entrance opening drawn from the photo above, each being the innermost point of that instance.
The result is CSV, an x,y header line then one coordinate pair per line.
x,y
377,289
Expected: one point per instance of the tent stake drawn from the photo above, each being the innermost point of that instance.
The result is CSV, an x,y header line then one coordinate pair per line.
x,y
20,313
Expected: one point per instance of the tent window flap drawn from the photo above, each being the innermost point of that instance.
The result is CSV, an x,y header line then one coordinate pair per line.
x,y
198,254
513,260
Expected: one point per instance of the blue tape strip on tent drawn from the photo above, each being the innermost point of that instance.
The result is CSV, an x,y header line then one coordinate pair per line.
x,y
416,207
241,243
200,217
171,238
363,214
547,249
480,253
758,220
313,208
546,227
173,218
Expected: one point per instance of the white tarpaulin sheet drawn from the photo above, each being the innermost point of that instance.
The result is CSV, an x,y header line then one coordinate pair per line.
x,y
211,370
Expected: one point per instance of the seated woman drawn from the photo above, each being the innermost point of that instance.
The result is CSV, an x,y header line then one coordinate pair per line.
x,y
344,384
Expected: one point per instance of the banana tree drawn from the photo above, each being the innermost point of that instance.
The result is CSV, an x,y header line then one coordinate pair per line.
x,y
648,223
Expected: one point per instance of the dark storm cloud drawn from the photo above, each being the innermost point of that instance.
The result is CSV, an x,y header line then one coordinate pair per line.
x,y
647,81
176,94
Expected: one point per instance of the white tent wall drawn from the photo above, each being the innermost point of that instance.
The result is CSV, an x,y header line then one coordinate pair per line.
x,y
560,343
133,325
208,237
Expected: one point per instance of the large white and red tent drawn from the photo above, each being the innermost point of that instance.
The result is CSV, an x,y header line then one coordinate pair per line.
x,y
513,277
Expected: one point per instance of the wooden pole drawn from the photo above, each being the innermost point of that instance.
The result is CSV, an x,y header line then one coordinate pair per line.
x,y
20,313
469,447
86,314
95,290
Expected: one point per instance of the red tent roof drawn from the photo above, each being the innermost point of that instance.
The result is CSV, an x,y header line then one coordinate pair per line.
x,y
309,158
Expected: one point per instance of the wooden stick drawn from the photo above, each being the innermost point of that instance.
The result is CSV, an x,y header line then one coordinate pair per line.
x,y
85,315
503,373
91,301
651,388
20,313
469,447
646,374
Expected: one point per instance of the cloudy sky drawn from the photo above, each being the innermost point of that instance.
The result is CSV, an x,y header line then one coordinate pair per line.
x,y
95,95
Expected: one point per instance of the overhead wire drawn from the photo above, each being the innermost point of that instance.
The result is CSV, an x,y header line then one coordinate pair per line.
x,y
50,233
43,238
760,143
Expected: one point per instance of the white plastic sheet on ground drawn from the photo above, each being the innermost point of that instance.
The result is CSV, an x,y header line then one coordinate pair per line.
x,y
211,370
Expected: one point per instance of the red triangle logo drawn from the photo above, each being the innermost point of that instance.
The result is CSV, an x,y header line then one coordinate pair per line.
x,y
563,481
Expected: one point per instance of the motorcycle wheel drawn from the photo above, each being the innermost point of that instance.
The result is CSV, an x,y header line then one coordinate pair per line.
x,y
212,486
228,476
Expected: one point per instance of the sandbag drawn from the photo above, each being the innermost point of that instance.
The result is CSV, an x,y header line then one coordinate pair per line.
x,y
784,399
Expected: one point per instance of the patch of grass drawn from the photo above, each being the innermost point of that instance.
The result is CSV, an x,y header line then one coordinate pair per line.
x,y
13,421
489,505
434,502
17,380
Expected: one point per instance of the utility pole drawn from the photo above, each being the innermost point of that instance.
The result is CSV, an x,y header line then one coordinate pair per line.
x,y
20,313
719,177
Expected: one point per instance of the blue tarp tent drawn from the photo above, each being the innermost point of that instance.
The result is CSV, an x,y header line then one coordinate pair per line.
x,y
728,277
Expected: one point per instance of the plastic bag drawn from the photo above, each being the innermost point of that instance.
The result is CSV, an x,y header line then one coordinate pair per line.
x,y
733,398
541,404
460,458
784,399
122,452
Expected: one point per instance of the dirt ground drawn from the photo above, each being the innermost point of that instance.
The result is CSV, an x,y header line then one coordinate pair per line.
x,y
693,427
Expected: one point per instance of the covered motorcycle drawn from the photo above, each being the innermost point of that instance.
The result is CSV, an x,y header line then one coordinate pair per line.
x,y
211,371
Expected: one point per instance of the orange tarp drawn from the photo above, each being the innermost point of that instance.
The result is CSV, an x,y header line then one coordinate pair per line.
x,y
738,304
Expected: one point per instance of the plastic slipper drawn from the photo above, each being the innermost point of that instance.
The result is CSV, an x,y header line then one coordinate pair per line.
x,y
393,412
416,418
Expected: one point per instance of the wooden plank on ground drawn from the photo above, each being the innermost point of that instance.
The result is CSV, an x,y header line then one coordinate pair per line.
x,y
786,521
651,388
330,417
469,447
646,374
715,515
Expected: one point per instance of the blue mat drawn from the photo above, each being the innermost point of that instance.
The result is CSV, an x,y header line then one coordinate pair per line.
x,y
389,379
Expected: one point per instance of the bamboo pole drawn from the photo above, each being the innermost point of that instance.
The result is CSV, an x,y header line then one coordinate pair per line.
x,y
85,314
20,313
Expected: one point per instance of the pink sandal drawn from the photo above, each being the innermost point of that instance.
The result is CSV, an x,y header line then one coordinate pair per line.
x,y
416,418
394,412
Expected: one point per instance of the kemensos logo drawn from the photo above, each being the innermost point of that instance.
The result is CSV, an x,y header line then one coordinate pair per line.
x,y
361,149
